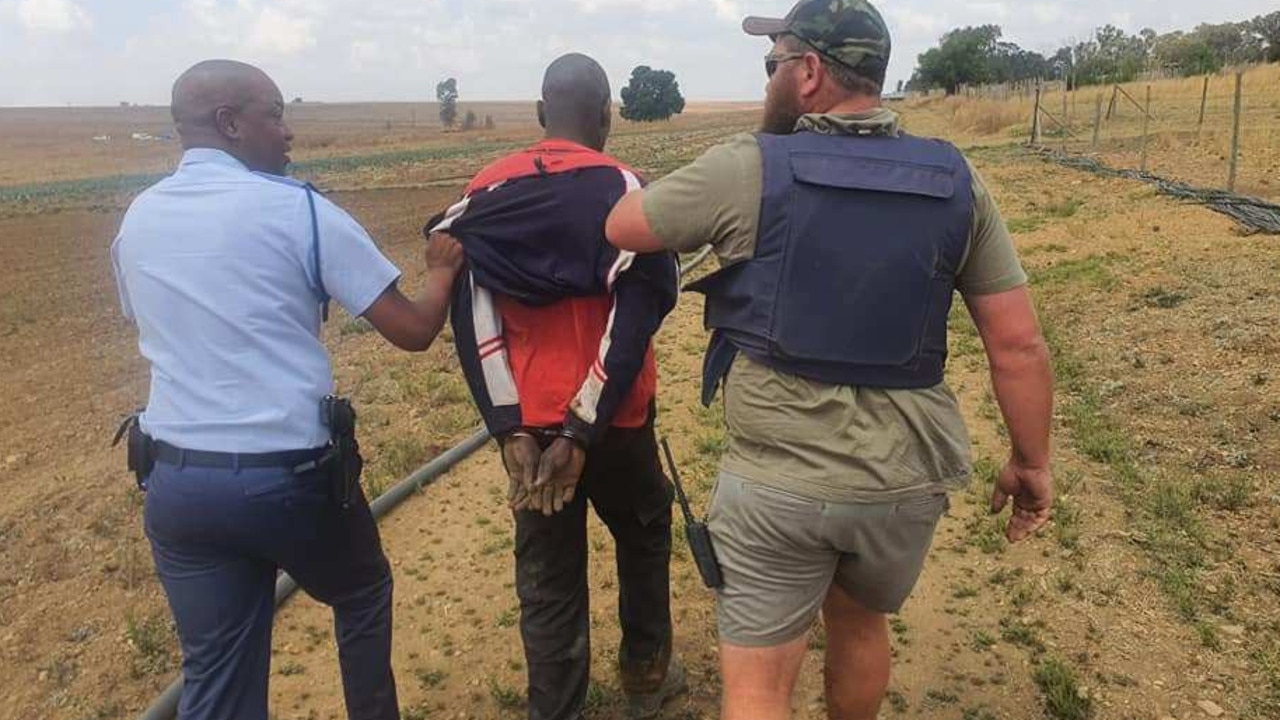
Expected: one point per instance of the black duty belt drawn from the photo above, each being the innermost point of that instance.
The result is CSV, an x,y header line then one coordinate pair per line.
x,y
166,453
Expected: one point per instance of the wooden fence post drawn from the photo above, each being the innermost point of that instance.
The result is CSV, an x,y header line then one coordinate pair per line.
x,y
1035,119
1065,122
1204,97
1111,109
1146,123
1235,136
1097,120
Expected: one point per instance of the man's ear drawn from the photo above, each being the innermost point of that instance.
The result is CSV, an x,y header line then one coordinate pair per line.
x,y
606,118
812,74
226,121
542,115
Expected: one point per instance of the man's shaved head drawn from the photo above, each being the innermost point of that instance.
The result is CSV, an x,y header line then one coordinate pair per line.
x,y
576,100
211,84
234,107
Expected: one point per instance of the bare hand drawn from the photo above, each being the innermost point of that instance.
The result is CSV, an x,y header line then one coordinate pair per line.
x,y
558,473
444,252
1032,493
520,455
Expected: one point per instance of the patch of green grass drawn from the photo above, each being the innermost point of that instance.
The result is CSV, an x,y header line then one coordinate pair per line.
x,y
1064,208
1208,633
712,444
962,592
1066,519
1093,270
1163,509
1159,297
898,625
497,545
509,617
1061,691
1020,225
1266,703
1065,582
1017,632
1022,595
291,667
977,713
1045,249
986,533
1229,494
393,460
1005,576
941,697
983,640
151,642
355,326
429,679
897,701
507,698
598,697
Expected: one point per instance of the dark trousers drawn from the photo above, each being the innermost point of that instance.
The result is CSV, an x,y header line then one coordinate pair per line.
x,y
624,482
218,537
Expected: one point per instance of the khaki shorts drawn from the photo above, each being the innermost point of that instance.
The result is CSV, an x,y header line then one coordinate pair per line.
x,y
780,552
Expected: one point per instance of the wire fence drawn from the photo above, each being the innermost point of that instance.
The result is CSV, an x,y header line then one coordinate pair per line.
x,y
1197,130
1216,131
1212,140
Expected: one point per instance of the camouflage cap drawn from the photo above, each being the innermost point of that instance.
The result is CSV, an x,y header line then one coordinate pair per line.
x,y
847,31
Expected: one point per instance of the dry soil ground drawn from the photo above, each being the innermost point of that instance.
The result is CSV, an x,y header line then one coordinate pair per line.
x,y
1153,595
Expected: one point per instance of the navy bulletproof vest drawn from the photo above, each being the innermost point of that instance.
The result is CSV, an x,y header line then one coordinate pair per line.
x,y
860,241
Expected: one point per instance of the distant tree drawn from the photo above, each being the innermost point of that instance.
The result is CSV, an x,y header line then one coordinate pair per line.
x,y
297,101
447,96
961,58
651,95
974,55
488,122
1186,54
1010,63
470,122
1267,29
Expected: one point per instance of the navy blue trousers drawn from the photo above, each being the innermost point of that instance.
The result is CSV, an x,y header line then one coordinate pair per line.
x,y
218,538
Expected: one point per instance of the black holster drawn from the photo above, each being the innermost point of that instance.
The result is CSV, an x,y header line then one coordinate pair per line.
x,y
342,462
140,449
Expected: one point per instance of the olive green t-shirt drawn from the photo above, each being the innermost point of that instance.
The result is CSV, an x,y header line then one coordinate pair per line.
x,y
835,443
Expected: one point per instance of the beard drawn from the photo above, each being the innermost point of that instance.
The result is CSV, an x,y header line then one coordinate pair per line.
x,y
781,112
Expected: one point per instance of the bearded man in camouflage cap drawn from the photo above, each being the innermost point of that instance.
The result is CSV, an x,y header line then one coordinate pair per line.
x,y
842,241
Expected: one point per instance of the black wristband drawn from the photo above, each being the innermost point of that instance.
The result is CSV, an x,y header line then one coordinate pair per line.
x,y
576,437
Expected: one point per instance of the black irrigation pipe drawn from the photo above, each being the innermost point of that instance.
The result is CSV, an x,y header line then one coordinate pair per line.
x,y
1255,214
165,707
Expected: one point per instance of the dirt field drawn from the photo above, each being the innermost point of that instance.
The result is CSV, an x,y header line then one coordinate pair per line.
x,y
1153,595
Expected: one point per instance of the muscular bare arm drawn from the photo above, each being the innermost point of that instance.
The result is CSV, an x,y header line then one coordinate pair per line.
x,y
1023,381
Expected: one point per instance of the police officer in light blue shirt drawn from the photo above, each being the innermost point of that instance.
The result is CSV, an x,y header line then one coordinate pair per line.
x,y
226,267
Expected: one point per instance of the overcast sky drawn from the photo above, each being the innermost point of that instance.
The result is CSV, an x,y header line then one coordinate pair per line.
x,y
101,52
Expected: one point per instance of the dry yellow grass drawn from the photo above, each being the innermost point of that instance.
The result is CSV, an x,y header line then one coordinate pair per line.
x,y
1178,146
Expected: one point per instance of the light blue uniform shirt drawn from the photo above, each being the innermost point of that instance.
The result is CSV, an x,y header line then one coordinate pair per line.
x,y
216,266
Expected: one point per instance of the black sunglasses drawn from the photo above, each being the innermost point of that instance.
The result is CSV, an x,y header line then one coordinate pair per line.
x,y
771,61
